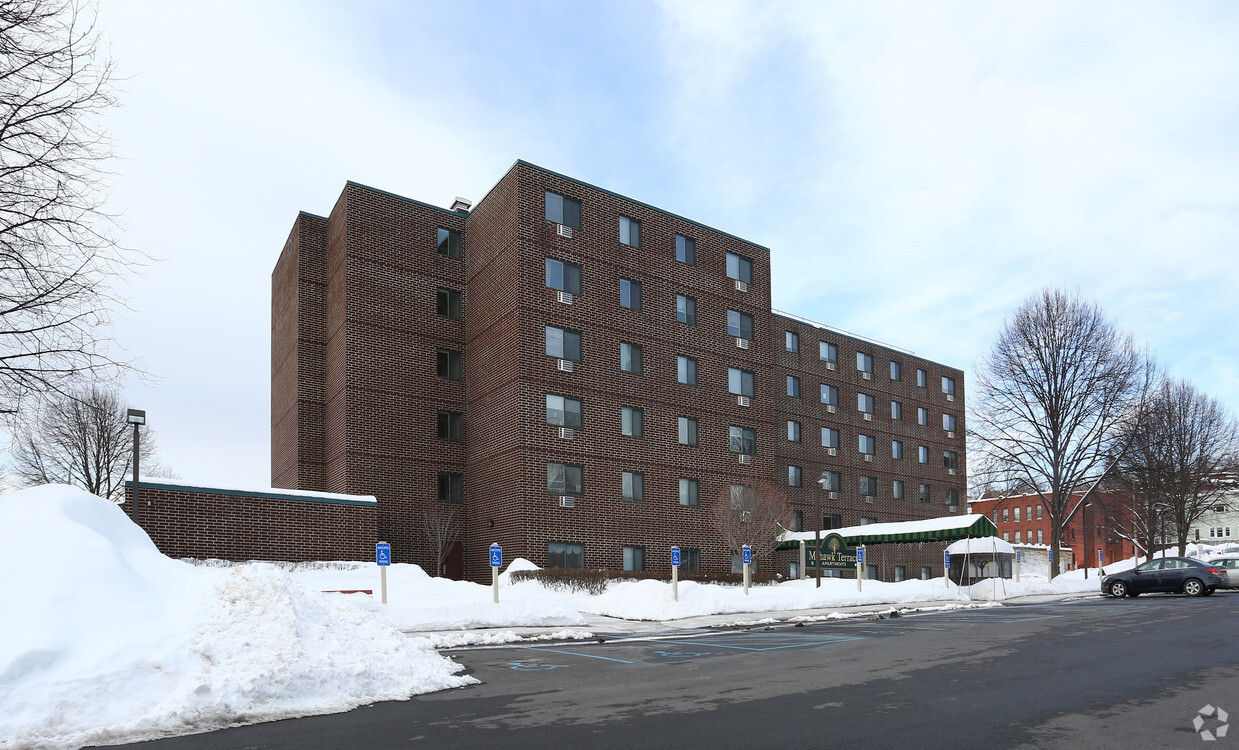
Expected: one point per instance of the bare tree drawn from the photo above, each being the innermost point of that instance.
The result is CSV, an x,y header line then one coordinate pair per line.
x,y
751,514
1049,396
82,439
441,527
57,252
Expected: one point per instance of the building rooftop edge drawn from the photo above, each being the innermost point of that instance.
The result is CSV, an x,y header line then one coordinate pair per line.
x,y
858,337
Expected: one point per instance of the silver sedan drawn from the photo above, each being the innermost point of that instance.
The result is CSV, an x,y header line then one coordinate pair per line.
x,y
1231,566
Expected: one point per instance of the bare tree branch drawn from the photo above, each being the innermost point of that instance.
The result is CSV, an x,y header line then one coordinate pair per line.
x,y
751,514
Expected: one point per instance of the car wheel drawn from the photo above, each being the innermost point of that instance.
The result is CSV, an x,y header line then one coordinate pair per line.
x,y
1193,587
1118,589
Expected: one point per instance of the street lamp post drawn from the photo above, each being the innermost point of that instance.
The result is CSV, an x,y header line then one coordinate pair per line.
x,y
817,528
135,417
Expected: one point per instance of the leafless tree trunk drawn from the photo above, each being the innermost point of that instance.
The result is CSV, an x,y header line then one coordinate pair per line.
x,y
441,527
57,253
1049,396
81,439
751,514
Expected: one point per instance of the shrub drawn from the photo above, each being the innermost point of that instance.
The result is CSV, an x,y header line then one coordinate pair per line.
x,y
594,580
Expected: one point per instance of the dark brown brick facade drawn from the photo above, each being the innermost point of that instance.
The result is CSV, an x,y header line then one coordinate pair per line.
x,y
354,310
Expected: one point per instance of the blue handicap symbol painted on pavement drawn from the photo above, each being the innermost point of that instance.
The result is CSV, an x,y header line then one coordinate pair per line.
x,y
527,667
682,653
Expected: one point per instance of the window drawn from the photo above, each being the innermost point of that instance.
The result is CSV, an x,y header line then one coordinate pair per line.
x,y
1006,515
926,573
1038,518
830,437
1039,535
921,378
686,249
742,440
1016,516
925,493
864,362
864,403
995,517
634,558
868,486
952,497
690,560
629,231
1017,537
739,382
565,479
1006,537
897,489
449,242
900,573
896,371
948,422
739,268
793,386
632,422
563,344
896,410
633,486
832,521
686,370
566,277
447,303
563,210
686,309
447,364
793,476
948,385
739,325
830,395
450,425
866,521
630,294
950,460
867,444
830,482
687,431
630,358
1028,512
922,453
451,487
690,492
797,520
793,431
897,449
564,555
791,341
922,416
562,411
827,352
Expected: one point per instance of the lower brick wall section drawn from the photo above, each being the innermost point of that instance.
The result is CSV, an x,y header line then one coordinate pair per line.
x,y
203,522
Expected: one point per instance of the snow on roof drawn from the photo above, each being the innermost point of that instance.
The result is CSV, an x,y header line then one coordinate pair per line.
x,y
990,544
274,492
942,523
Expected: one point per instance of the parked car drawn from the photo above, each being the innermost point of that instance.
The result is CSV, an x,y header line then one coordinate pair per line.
x,y
1231,566
1169,574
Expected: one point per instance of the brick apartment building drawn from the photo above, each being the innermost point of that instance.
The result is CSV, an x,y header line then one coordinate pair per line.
x,y
1021,519
583,377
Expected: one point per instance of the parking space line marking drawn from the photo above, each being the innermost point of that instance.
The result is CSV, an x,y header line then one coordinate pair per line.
x,y
776,648
574,653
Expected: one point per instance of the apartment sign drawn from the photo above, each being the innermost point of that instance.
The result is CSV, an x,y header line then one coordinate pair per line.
x,y
834,554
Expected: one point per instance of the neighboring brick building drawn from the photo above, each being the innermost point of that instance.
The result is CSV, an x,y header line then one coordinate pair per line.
x,y
1021,519
585,375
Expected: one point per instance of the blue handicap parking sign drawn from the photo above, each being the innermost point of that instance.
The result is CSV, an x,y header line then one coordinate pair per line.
x,y
496,556
860,555
1017,555
382,553
675,555
748,555
946,559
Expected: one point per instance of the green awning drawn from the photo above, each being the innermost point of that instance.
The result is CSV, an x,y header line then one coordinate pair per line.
x,y
945,529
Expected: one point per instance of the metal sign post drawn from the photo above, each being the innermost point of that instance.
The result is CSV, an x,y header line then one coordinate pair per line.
x,y
1017,566
1101,559
382,557
860,566
748,570
946,567
675,573
496,562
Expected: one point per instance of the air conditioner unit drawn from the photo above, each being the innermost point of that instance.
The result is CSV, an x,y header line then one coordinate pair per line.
x,y
563,230
742,400
866,376
830,365
832,495
869,499
741,286
950,433
950,397
567,501
868,458
830,408
868,417
832,451
951,472
953,508
746,459
565,297
565,365
742,343
566,433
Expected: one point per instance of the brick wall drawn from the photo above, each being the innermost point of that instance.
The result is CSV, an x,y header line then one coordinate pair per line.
x,y
203,522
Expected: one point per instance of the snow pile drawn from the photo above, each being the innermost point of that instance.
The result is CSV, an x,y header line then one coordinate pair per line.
x,y
104,639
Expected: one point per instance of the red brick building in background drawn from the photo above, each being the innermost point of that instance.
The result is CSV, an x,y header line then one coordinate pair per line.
x,y
1021,519
582,377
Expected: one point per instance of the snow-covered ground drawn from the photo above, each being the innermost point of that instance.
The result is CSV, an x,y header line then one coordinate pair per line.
x,y
103,639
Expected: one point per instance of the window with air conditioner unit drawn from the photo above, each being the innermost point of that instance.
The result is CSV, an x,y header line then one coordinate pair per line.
x,y
867,444
563,210
868,486
739,382
864,404
563,411
829,395
563,276
739,268
830,438
742,440
827,352
564,344
864,363
830,482
565,479
740,325
950,460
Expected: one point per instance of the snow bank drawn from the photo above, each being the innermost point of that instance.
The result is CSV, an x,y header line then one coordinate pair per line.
x,y
104,639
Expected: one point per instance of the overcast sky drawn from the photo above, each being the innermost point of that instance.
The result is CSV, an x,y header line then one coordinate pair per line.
x,y
917,169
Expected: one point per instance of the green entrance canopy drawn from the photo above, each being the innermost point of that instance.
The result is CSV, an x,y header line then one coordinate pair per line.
x,y
945,529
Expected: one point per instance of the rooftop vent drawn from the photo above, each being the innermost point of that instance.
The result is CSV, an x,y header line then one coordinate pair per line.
x,y
462,205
